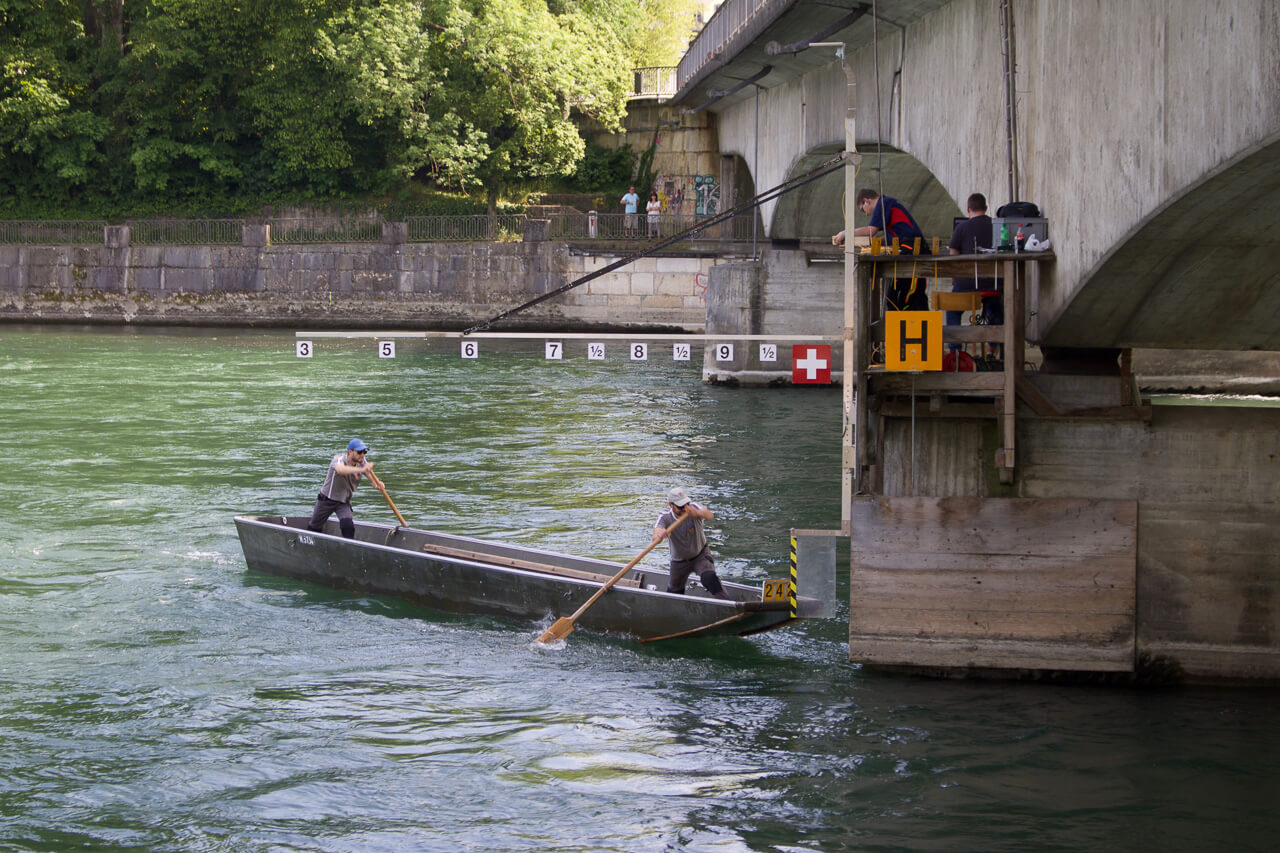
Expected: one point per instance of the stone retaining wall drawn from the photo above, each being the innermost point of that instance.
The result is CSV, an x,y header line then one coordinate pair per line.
x,y
352,285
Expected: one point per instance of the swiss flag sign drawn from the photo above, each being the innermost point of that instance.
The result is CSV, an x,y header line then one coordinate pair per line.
x,y
811,364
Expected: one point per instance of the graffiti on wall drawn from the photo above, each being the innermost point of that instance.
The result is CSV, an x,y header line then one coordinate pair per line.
x,y
688,194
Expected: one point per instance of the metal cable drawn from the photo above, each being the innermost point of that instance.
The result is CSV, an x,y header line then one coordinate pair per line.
x,y
825,168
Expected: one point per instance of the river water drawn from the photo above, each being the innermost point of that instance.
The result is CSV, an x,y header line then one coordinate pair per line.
x,y
156,696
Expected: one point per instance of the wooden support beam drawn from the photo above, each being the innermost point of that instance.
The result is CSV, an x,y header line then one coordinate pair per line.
x,y
1035,398
926,383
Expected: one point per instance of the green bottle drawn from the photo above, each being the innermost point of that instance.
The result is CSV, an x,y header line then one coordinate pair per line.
x,y
1004,237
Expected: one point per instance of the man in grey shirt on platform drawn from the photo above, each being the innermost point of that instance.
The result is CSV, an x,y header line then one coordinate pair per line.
x,y
689,552
345,471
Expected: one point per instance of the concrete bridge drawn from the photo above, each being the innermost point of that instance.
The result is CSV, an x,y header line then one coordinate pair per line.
x,y
1030,521
1148,132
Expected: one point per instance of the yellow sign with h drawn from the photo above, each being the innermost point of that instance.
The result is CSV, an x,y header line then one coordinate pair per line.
x,y
913,340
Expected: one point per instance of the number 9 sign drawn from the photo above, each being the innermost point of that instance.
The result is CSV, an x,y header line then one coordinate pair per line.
x,y
724,352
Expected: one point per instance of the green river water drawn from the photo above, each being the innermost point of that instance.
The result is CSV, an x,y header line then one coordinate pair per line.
x,y
156,696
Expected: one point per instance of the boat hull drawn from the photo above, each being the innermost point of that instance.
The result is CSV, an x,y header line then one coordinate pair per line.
x,y
406,563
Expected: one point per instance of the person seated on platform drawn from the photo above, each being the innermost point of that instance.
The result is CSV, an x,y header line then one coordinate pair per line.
x,y
345,471
688,543
970,236
905,294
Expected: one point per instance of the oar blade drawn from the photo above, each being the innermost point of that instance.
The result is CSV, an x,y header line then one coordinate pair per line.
x,y
559,629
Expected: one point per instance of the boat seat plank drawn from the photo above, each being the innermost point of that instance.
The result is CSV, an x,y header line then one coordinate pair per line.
x,y
510,562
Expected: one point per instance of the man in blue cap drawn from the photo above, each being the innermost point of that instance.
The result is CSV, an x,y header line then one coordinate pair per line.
x,y
345,471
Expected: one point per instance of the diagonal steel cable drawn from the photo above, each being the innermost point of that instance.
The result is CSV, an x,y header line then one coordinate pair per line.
x,y
795,183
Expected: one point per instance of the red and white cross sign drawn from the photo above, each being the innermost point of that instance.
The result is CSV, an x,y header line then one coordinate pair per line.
x,y
811,364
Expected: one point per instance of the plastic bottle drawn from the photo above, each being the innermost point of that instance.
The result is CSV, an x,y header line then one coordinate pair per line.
x,y
1004,238
1017,240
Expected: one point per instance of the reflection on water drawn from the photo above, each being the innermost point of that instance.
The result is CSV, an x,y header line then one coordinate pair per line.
x,y
155,696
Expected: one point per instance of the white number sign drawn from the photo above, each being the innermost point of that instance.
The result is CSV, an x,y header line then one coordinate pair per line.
x,y
639,352
595,352
768,352
724,352
555,350
386,349
680,352
470,349
304,349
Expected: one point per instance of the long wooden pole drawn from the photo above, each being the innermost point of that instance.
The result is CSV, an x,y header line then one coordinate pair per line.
x,y
380,487
564,626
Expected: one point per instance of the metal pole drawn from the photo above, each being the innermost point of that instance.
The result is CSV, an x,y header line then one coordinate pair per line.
x,y
755,175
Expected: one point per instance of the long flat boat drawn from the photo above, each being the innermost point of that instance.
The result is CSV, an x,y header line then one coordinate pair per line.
x,y
458,574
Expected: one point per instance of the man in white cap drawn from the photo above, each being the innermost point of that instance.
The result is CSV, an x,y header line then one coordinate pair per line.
x,y
689,552
345,471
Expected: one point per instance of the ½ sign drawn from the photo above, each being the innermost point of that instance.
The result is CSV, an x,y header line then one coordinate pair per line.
x,y
811,364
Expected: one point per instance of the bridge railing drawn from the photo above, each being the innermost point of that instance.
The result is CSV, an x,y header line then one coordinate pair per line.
x,y
66,232
658,81
186,232
614,226
733,18
462,229
325,230
573,226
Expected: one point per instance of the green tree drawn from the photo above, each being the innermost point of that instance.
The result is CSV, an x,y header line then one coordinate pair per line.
x,y
513,73
48,131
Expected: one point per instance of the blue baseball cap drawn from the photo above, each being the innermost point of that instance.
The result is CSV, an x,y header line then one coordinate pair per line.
x,y
356,444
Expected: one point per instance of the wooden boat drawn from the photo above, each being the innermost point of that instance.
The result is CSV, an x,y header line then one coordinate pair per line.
x,y
458,574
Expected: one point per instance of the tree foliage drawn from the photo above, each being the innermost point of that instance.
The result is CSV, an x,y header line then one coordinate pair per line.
x,y
106,102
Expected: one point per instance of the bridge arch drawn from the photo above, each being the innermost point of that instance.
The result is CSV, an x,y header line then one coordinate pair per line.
x,y
815,211
1202,271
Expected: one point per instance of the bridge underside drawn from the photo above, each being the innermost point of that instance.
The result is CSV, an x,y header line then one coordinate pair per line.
x,y
816,211
1203,272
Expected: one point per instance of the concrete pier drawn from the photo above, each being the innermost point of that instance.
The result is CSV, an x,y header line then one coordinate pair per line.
x,y
1035,524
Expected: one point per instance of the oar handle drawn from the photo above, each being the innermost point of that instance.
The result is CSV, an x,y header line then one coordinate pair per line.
x,y
613,580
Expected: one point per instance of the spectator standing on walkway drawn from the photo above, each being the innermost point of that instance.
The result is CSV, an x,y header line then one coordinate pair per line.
x,y
630,204
653,213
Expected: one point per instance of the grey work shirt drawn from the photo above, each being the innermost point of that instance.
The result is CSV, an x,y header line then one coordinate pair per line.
x,y
339,487
687,540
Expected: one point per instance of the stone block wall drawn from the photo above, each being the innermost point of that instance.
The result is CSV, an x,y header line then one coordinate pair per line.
x,y
351,285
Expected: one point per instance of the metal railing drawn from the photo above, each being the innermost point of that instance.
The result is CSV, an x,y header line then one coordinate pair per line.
x,y
66,232
731,19
186,232
615,226
325,231
658,81
457,229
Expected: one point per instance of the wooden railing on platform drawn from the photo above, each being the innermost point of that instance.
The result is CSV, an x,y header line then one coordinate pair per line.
x,y
865,312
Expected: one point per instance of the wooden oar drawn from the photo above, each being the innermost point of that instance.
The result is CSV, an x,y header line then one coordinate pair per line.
x,y
563,626
378,485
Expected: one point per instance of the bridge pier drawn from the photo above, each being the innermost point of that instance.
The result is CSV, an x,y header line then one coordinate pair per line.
x,y
788,291
1054,523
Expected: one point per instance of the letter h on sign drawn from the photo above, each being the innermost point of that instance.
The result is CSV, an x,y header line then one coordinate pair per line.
x,y
913,340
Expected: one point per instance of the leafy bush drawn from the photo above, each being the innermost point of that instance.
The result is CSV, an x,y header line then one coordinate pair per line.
x,y
604,170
